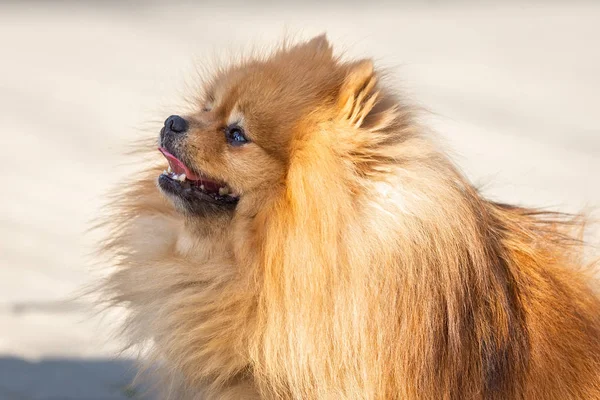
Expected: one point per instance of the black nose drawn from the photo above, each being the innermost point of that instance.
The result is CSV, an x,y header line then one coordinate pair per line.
x,y
176,124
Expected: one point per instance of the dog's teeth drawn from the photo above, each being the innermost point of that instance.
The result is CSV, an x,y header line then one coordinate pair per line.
x,y
169,169
202,187
181,178
164,172
223,191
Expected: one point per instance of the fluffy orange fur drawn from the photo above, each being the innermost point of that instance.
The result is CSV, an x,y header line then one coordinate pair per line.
x,y
358,263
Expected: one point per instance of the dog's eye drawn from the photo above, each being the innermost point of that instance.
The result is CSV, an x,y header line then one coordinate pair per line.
x,y
235,135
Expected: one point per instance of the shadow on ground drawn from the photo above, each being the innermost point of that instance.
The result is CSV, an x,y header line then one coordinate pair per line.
x,y
67,379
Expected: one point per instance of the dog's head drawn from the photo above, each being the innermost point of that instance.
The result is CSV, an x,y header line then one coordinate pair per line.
x,y
254,117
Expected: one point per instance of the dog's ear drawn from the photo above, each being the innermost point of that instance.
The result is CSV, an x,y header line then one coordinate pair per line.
x,y
361,103
319,45
358,93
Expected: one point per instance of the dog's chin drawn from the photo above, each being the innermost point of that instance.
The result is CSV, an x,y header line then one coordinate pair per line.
x,y
194,200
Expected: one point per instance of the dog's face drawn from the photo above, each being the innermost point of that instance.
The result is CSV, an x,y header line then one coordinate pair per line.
x,y
240,139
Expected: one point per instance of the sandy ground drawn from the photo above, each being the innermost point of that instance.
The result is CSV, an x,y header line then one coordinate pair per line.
x,y
514,90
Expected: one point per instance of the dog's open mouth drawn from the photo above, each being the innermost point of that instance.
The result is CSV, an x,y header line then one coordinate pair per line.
x,y
193,187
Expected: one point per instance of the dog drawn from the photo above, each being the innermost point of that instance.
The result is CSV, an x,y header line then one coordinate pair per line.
x,y
305,239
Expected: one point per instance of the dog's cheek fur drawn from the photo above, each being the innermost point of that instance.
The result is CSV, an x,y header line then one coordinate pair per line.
x,y
244,168
178,279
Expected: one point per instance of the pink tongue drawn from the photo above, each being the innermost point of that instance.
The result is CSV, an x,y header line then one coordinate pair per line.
x,y
177,166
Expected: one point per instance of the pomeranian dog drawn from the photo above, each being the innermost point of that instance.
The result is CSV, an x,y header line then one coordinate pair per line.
x,y
309,241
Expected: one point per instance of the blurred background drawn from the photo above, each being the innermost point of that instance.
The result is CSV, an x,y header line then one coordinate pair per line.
x,y
512,87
